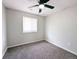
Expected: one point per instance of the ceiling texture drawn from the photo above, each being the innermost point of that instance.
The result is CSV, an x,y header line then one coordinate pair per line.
x,y
23,5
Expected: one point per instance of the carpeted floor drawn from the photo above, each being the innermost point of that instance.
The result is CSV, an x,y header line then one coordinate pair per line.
x,y
39,50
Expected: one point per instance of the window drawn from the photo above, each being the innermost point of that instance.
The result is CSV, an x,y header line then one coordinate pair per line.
x,y
29,24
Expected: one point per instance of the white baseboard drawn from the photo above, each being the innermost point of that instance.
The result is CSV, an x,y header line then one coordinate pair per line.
x,y
25,43
19,45
4,52
62,47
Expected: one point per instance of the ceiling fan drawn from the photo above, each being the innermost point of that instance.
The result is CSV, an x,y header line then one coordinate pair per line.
x,y
41,4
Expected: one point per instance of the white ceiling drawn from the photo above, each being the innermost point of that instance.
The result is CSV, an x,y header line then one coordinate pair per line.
x,y
23,5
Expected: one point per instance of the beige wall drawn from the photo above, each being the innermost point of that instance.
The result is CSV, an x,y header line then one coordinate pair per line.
x,y
4,36
14,27
61,29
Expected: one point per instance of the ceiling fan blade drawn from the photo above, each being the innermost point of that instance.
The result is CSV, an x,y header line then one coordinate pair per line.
x,y
40,10
49,6
33,6
43,1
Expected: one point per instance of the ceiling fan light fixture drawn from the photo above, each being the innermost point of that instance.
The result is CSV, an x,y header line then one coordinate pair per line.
x,y
41,6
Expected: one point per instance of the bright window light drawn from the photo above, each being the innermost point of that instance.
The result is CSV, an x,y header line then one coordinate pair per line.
x,y
29,24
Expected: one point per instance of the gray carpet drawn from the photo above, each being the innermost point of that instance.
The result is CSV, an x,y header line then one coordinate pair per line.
x,y
39,50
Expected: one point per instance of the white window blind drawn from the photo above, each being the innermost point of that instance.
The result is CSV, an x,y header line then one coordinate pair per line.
x,y
29,24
